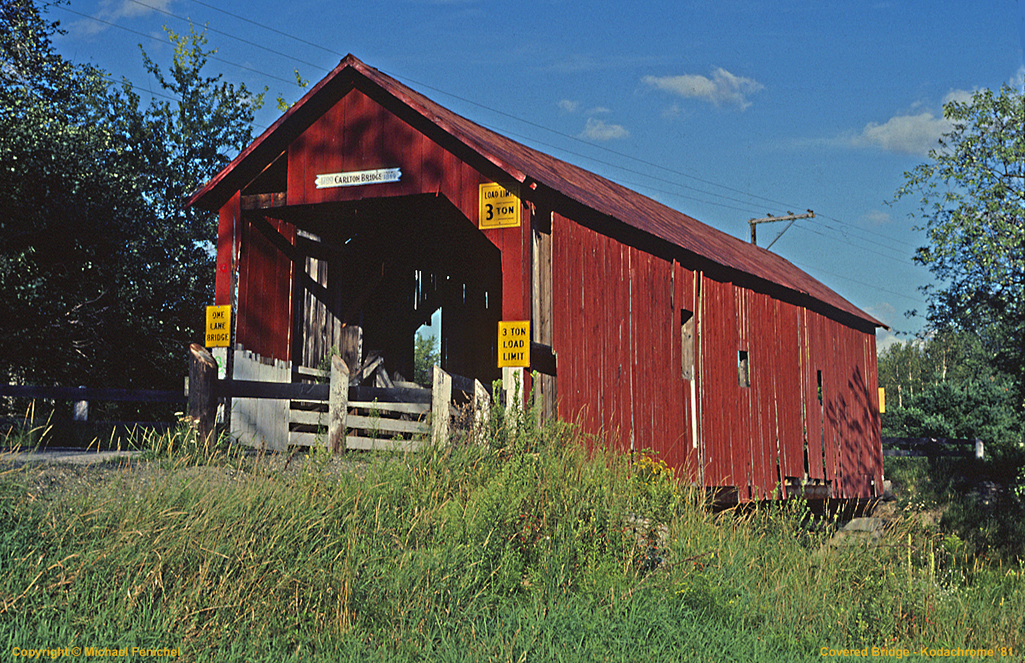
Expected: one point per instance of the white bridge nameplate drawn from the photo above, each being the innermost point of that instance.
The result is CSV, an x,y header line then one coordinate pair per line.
x,y
359,177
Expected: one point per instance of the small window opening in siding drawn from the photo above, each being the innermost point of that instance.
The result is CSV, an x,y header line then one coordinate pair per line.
x,y
744,368
687,343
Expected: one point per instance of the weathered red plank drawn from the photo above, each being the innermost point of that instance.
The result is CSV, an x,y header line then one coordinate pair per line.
x,y
227,223
791,391
763,369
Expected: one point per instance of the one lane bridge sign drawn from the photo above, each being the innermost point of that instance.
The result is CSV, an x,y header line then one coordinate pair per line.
x,y
218,326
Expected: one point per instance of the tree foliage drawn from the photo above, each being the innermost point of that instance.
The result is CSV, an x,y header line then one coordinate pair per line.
x,y
70,195
945,387
908,369
966,380
951,389
972,201
425,356
103,274
199,131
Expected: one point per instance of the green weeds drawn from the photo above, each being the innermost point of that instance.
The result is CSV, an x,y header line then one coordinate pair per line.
x,y
537,547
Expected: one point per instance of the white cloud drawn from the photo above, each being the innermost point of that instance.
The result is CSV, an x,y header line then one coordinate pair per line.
x,y
963,96
723,88
882,310
129,9
876,217
570,106
884,339
906,134
910,132
598,130
111,11
1018,80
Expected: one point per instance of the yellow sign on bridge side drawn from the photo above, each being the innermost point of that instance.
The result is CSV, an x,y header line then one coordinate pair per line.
x,y
514,344
218,326
499,205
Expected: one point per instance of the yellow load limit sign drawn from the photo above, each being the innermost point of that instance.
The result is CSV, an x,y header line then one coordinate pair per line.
x,y
218,326
499,205
514,344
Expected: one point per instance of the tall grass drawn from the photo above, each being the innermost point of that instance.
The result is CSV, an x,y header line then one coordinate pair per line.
x,y
24,435
532,547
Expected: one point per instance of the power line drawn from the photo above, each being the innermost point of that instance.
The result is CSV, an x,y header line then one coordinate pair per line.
x,y
496,111
862,248
598,147
750,205
229,35
871,232
158,39
266,27
869,285
633,172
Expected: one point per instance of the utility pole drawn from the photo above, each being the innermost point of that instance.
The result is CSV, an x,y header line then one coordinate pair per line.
x,y
790,216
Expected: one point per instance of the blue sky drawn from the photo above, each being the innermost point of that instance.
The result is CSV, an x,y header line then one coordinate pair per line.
x,y
724,110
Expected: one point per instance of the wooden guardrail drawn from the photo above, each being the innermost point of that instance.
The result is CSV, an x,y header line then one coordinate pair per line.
x,y
80,397
933,447
86,394
357,417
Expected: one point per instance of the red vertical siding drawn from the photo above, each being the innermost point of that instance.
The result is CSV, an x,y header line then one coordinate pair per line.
x,y
685,454
616,333
760,394
265,288
227,229
721,411
846,420
789,389
616,327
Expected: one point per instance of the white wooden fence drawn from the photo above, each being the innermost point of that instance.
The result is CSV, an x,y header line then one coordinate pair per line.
x,y
403,418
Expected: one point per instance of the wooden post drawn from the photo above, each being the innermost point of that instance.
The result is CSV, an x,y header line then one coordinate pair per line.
x,y
441,397
481,412
351,347
512,386
337,404
202,392
80,410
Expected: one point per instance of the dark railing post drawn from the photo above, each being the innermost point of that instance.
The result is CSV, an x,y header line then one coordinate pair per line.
x,y
202,392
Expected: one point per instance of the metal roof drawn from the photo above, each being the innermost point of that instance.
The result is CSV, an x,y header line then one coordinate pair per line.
x,y
525,165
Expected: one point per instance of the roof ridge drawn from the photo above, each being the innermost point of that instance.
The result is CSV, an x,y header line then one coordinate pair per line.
x,y
522,162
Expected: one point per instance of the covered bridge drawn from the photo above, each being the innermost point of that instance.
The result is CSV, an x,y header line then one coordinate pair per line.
x,y
368,204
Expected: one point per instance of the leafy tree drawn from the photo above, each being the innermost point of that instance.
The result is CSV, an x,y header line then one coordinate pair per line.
x,y
980,409
906,370
103,274
946,387
302,83
972,200
425,356
199,132
70,196
952,390
902,371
